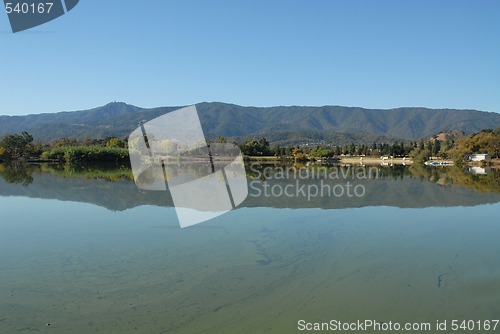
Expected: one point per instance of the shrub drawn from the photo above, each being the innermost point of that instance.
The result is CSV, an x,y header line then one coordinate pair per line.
x,y
83,154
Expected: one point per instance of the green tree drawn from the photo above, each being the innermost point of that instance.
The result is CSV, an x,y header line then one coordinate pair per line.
x,y
17,146
255,147
437,147
352,149
421,146
430,147
115,142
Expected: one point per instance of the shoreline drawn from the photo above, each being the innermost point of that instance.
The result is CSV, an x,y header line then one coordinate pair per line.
x,y
341,160
494,163
376,161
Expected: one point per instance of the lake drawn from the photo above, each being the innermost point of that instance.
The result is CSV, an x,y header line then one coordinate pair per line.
x,y
83,250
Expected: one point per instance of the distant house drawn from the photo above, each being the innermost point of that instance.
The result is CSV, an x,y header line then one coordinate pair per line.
x,y
479,157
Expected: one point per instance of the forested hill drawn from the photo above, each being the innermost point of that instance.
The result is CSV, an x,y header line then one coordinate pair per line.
x,y
279,124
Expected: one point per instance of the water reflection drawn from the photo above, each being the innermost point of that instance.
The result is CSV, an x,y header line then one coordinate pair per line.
x,y
280,186
17,173
479,170
84,269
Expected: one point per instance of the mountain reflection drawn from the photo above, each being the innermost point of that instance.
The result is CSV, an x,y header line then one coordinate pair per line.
x,y
278,186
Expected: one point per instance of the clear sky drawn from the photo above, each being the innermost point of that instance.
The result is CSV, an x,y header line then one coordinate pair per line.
x,y
373,54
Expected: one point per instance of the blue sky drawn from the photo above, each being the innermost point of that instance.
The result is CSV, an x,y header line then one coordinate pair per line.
x,y
373,54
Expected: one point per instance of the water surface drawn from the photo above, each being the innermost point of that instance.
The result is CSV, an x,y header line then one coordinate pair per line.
x,y
90,255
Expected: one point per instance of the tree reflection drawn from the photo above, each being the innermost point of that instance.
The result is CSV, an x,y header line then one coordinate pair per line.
x,y
113,186
487,182
17,173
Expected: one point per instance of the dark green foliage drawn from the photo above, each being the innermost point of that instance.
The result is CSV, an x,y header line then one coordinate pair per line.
x,y
256,147
437,147
322,152
16,146
81,154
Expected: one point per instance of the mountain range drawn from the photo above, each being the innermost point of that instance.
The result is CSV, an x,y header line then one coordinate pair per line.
x,y
284,125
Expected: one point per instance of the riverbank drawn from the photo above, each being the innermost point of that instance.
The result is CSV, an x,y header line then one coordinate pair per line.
x,y
375,160
341,160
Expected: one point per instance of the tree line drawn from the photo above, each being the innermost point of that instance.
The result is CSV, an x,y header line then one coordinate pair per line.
x,y
112,149
450,146
22,147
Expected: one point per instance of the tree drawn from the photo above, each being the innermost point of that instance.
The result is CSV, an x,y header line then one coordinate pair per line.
x,y
321,152
17,146
352,149
482,142
221,140
437,147
256,147
430,147
298,154
115,142
338,150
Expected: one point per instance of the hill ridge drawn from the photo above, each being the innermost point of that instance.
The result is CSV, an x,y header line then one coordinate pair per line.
x,y
236,121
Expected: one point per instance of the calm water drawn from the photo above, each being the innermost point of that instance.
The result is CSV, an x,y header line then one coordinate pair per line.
x,y
86,255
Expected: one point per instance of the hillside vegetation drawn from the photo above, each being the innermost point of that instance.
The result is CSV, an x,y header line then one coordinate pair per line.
x,y
293,125
485,141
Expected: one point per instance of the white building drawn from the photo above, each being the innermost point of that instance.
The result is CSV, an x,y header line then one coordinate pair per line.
x,y
479,157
